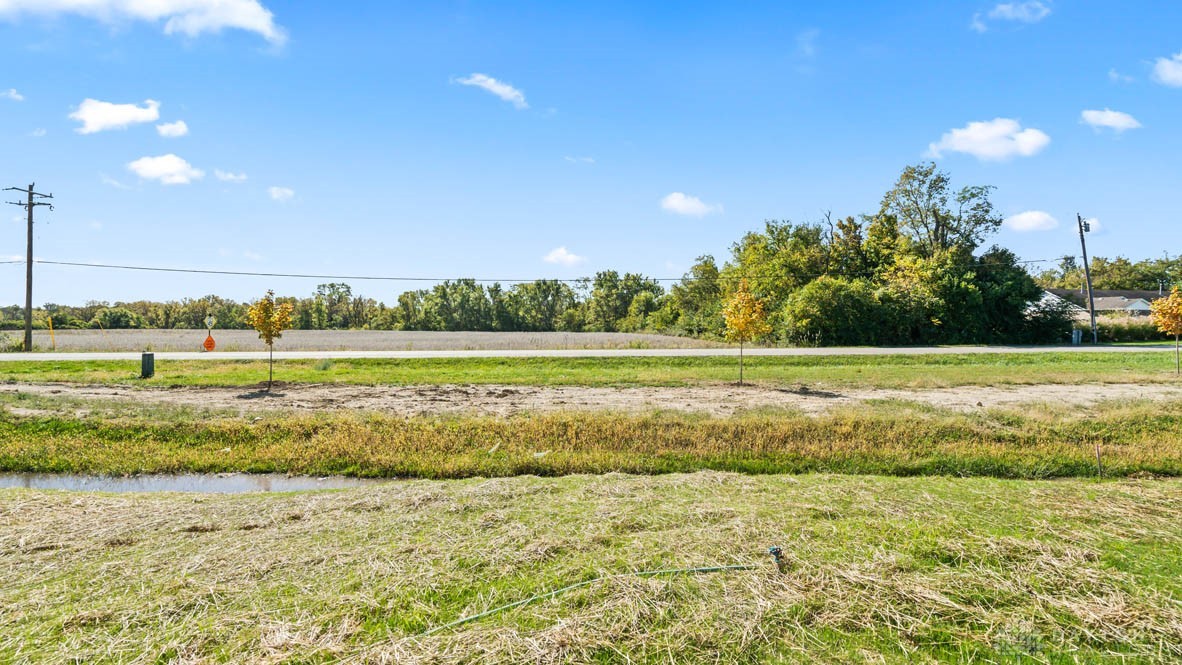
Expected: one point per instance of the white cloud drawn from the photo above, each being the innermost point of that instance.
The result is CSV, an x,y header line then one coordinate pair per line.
x,y
187,17
281,193
228,176
1031,220
1114,120
11,93
498,88
562,256
1168,71
1117,77
97,116
995,140
38,133
684,204
580,160
978,25
251,256
1024,12
168,169
111,182
1094,225
96,225
172,130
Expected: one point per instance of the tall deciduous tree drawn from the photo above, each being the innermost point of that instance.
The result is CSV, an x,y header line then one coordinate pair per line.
x,y
1167,314
746,320
922,200
270,319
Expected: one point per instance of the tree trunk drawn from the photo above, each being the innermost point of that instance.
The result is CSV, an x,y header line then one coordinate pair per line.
x,y
1177,358
270,366
740,363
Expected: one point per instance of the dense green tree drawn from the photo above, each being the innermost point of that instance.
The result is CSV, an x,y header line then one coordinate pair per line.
x,y
834,311
920,200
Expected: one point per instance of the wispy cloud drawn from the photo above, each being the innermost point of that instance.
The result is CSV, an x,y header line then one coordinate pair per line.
x,y
38,133
228,176
579,160
684,204
1117,77
1168,71
168,169
562,256
1114,120
172,130
498,88
994,140
186,17
1031,220
111,182
1032,11
806,43
98,116
12,94
281,194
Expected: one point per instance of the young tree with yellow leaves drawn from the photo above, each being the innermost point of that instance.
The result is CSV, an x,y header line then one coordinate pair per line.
x,y
1167,314
270,320
745,320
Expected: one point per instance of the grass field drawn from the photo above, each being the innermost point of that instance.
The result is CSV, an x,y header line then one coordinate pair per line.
x,y
889,371
885,437
880,570
914,533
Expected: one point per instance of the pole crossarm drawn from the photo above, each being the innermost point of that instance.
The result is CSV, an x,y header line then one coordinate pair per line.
x,y
29,205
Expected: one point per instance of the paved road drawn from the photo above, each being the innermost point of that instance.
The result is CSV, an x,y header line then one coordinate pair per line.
x,y
580,353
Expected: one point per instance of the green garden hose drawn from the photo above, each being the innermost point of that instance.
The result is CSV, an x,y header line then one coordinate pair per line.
x,y
551,594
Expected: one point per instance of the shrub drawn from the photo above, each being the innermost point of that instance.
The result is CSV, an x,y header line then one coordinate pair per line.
x,y
1124,329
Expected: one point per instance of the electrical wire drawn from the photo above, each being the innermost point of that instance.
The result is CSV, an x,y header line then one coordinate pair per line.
x,y
686,278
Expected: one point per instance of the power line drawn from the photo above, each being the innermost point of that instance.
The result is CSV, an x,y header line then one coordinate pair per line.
x,y
387,278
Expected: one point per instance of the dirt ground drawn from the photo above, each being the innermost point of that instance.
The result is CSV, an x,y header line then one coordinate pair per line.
x,y
498,400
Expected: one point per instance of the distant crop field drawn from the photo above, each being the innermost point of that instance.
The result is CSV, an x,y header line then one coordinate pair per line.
x,y
353,340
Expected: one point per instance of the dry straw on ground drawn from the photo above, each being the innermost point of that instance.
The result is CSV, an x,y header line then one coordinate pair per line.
x,y
881,570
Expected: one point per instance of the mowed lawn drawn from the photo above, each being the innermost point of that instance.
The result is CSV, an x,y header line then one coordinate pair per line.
x,y
878,570
890,371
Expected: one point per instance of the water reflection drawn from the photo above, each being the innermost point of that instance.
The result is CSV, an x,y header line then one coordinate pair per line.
x,y
214,483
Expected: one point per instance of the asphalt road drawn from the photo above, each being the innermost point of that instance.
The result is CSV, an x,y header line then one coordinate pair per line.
x,y
581,353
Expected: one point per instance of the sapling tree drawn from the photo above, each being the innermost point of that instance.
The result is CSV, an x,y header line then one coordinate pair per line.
x,y
1167,314
745,319
270,320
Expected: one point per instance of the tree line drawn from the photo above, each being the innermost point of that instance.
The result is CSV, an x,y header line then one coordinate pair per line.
x,y
911,272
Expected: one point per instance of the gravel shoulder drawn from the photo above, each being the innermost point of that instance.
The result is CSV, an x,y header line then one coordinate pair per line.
x,y
504,400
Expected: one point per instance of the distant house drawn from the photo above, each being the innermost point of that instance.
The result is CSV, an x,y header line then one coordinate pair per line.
x,y
1108,301
1049,299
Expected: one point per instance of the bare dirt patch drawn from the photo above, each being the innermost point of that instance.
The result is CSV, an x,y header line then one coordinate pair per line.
x,y
504,400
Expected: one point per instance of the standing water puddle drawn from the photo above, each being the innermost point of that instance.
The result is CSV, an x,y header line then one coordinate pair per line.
x,y
214,483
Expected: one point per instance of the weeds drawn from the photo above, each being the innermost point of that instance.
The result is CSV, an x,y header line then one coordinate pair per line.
x,y
890,437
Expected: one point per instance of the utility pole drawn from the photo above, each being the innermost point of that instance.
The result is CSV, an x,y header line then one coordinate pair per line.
x,y
1084,227
29,206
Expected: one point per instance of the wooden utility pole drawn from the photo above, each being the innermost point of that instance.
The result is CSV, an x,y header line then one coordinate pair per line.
x,y
29,206
1084,227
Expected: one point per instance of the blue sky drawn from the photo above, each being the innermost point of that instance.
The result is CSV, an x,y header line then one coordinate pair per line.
x,y
522,140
